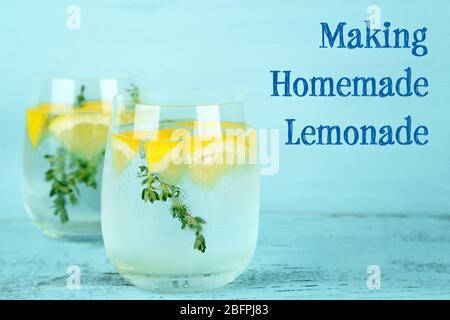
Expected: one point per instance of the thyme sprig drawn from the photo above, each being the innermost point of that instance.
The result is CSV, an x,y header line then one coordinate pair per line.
x,y
80,99
66,173
133,91
156,189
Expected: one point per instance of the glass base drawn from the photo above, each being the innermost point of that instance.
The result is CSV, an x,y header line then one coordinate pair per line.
x,y
172,283
74,230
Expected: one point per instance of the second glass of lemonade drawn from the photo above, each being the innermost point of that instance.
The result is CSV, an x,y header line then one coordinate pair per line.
x,y
180,192
66,131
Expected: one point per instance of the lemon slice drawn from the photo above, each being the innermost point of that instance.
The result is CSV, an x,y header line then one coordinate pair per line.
x,y
171,156
170,152
208,164
39,117
217,157
161,158
156,145
37,122
158,149
84,135
124,148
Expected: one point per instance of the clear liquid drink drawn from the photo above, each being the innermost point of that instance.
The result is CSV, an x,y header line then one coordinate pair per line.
x,y
180,198
65,139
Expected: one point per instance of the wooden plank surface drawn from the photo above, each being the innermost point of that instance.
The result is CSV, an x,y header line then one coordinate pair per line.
x,y
298,257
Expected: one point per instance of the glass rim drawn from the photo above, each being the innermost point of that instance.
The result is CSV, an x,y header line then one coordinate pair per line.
x,y
66,109
220,98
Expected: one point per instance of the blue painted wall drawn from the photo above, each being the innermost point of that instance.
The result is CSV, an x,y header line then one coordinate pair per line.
x,y
234,45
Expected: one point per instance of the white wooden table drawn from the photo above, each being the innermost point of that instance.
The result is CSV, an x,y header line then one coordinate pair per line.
x,y
298,257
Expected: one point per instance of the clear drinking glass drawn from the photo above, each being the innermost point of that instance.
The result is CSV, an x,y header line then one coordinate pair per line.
x,y
66,131
180,192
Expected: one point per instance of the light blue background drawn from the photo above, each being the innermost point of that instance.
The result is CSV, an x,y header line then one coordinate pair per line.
x,y
233,45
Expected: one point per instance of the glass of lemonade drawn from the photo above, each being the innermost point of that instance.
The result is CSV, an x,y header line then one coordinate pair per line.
x,y
180,191
66,131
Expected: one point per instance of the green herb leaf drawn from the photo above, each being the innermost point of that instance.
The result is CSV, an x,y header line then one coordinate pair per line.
x,y
66,173
134,93
80,99
155,189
